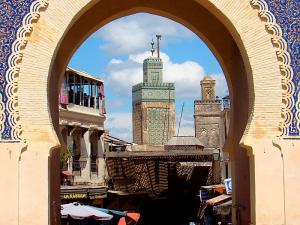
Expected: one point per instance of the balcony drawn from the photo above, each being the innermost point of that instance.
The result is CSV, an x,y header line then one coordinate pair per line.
x,y
82,100
81,91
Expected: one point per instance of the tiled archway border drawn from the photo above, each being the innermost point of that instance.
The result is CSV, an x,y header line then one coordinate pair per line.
x,y
17,17
282,19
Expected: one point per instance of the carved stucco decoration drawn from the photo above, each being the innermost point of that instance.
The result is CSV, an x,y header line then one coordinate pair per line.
x,y
16,23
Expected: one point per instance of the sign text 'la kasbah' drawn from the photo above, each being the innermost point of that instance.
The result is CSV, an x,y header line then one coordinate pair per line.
x,y
75,195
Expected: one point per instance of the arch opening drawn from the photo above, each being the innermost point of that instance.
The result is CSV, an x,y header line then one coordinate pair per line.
x,y
121,63
59,32
226,51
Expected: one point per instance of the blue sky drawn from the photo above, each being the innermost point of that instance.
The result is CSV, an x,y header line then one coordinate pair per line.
x,y
116,51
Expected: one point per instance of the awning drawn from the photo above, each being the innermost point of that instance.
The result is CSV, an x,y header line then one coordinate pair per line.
x,y
67,173
219,199
220,188
80,212
113,140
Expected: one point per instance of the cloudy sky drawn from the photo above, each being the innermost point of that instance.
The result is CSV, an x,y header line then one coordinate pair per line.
x,y
116,53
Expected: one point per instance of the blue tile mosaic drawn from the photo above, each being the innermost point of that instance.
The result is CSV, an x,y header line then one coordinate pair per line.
x,y
287,14
12,13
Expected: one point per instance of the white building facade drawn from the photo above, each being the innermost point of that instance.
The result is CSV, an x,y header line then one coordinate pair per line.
x,y
82,116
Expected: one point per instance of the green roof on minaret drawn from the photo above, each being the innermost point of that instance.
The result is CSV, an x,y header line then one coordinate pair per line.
x,y
153,88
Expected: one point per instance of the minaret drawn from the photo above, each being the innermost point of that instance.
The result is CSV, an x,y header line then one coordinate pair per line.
x,y
208,119
153,103
153,66
208,89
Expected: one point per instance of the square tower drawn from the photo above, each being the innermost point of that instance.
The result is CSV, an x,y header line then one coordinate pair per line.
x,y
153,106
208,117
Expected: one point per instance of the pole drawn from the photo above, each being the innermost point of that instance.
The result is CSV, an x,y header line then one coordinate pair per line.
x,y
158,36
180,119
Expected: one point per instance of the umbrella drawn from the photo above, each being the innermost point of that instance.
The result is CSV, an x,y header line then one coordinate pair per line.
x,y
129,219
111,211
116,214
80,212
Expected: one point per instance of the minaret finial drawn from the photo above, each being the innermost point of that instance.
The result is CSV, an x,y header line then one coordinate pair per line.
x,y
152,47
158,36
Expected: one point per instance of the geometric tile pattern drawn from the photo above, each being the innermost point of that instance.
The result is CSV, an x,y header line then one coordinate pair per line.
x,y
283,22
16,22
158,124
287,14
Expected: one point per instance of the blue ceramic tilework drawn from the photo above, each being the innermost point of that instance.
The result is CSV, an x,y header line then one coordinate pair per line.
x,y
12,13
287,14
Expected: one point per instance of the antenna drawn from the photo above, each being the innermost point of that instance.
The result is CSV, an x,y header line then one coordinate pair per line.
x,y
180,118
158,37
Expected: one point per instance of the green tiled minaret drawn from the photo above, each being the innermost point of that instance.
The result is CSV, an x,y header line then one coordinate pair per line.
x,y
153,104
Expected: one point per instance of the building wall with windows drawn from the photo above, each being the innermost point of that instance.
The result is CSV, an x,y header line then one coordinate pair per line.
x,y
82,116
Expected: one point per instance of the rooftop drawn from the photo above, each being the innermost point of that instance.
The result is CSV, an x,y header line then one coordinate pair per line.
x,y
179,155
84,74
184,141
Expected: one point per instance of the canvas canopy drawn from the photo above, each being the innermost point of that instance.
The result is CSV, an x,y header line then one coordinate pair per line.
x,y
80,212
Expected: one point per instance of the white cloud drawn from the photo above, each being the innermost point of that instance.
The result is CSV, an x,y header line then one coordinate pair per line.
x,y
186,131
114,104
121,79
133,33
119,119
186,76
130,37
115,61
120,125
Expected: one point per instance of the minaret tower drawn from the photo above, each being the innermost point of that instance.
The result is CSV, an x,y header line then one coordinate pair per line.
x,y
153,103
208,89
208,119
153,66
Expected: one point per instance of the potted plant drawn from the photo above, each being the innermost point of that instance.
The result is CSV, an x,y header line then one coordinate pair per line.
x,y
64,157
